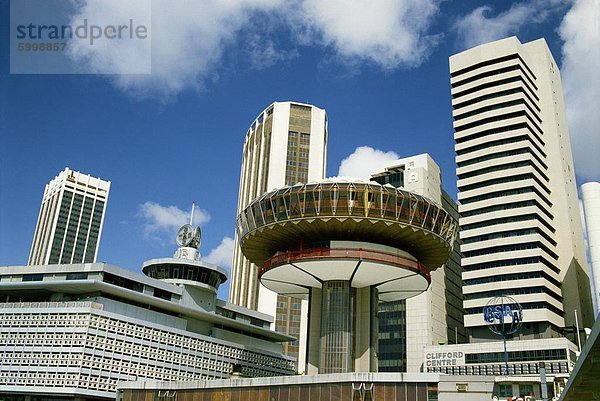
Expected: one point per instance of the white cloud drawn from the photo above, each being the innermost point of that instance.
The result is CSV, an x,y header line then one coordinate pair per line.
x,y
365,161
112,56
580,31
482,26
389,33
222,254
262,53
168,219
190,38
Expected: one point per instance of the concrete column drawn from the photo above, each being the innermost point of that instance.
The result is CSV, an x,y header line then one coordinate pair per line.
x,y
363,326
314,332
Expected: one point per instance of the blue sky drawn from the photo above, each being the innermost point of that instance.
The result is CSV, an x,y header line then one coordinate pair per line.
x,y
164,140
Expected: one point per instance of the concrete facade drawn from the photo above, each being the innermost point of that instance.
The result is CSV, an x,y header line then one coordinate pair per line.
x,y
520,223
75,330
70,220
525,357
436,316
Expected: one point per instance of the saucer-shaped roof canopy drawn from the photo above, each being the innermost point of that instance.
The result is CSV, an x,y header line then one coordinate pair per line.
x,y
291,217
177,269
395,274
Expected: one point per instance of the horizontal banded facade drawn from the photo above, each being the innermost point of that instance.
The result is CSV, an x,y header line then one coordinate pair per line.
x,y
519,219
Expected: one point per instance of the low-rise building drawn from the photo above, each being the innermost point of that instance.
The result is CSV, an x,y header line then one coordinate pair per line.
x,y
76,330
525,358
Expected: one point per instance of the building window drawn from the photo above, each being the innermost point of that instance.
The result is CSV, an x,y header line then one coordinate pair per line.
x,y
525,390
505,390
77,276
162,294
33,277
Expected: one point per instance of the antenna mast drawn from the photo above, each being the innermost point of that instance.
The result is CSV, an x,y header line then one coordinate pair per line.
x,y
192,214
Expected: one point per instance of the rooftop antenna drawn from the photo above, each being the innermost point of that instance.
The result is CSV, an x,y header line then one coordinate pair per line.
x,y
192,214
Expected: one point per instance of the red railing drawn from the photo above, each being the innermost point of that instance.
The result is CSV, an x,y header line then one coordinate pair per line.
x,y
344,253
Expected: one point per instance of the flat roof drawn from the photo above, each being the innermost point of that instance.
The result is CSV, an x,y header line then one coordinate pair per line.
x,y
91,284
362,377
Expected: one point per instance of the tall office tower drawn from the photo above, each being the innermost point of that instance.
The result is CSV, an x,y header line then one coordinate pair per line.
x,y
436,316
286,144
519,214
70,220
590,198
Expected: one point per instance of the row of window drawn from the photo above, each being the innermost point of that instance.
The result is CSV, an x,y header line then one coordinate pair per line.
x,y
510,248
502,167
513,291
498,106
509,234
506,206
511,277
504,59
126,349
518,78
523,136
498,155
518,356
499,369
515,128
507,220
504,193
494,95
511,262
524,305
505,180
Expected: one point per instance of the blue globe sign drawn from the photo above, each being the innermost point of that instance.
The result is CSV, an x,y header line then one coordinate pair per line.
x,y
503,315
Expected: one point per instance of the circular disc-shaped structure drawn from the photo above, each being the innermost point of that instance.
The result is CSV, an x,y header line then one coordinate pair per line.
x,y
193,272
365,233
396,274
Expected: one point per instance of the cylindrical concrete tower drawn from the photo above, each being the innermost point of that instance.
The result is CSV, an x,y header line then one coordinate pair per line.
x,y
590,196
344,246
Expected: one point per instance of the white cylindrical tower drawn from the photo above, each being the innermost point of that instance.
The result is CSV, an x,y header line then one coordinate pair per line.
x,y
590,196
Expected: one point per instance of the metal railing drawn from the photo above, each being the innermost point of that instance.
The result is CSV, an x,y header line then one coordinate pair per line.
x,y
344,253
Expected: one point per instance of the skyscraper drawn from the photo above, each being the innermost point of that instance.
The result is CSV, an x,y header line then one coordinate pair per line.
x,y
70,220
284,145
436,316
519,214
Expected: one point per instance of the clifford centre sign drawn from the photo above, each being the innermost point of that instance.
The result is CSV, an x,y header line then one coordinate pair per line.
x,y
450,358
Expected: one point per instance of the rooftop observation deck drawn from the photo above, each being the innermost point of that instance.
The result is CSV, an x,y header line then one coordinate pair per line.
x,y
284,219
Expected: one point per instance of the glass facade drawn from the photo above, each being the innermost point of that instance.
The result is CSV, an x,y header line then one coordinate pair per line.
x,y
77,229
392,336
394,178
287,321
180,271
337,327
